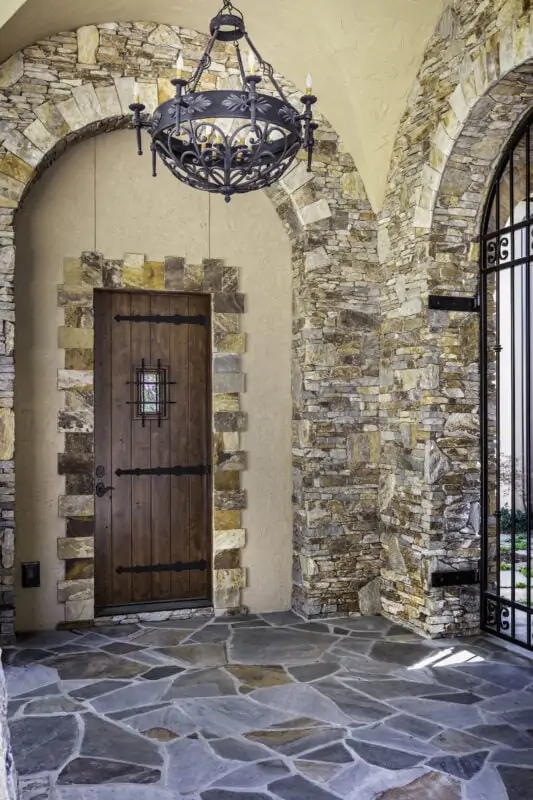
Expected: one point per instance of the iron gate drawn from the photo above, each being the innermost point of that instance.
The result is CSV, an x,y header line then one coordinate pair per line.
x,y
506,297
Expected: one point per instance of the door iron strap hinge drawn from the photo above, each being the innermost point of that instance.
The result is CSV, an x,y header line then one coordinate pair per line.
x,y
178,566
199,469
443,302
173,319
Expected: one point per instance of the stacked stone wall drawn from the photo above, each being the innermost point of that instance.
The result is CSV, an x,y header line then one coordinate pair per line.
x,y
473,88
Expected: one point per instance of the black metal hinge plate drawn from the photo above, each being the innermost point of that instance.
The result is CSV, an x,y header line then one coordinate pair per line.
x,y
199,469
442,302
459,577
178,566
172,319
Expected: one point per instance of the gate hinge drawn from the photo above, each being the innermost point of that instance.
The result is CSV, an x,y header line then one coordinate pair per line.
x,y
444,302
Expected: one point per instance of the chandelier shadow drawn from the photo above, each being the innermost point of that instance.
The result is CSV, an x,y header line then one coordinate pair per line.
x,y
228,141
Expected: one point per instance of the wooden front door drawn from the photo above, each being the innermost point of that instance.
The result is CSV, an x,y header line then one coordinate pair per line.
x,y
152,451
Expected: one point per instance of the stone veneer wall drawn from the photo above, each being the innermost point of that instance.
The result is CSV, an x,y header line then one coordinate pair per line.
x,y
76,420
77,84
473,87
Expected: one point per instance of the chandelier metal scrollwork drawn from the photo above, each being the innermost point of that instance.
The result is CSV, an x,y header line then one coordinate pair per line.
x,y
228,141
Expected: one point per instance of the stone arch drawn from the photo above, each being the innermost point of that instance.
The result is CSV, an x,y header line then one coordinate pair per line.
x,y
79,84
448,147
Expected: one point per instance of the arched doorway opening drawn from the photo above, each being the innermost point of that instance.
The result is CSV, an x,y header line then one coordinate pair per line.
x,y
506,394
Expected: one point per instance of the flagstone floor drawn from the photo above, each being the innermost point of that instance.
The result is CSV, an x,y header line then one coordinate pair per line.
x,y
269,708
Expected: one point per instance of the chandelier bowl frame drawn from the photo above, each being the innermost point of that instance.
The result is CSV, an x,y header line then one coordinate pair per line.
x,y
228,141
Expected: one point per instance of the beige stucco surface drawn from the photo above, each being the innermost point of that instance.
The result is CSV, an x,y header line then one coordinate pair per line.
x,y
363,54
99,195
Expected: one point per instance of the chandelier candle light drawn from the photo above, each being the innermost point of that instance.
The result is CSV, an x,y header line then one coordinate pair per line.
x,y
228,141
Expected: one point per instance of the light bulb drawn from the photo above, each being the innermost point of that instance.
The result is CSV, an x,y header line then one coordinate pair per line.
x,y
252,65
136,92
309,84
180,66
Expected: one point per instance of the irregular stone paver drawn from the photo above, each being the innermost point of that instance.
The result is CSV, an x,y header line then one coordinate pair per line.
x,y
460,766
318,771
295,741
433,786
99,665
40,745
518,782
52,705
459,741
259,676
238,750
97,689
366,712
193,766
413,726
93,770
302,699
297,788
201,683
254,775
197,655
505,735
385,757
102,739
274,646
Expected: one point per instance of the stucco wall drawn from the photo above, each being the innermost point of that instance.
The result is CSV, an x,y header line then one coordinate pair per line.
x,y
100,196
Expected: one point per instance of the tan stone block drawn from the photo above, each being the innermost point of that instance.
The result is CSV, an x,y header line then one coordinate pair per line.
x,y
76,338
353,186
226,402
75,547
229,539
229,578
85,97
71,113
75,295
315,212
228,382
148,95
227,520
166,36
52,119
74,379
15,168
76,506
226,323
226,600
11,70
154,275
20,146
11,191
193,277
296,177
7,434
230,342
364,448
79,610
125,93
72,271
226,481
109,101
88,43
76,590
39,136
82,360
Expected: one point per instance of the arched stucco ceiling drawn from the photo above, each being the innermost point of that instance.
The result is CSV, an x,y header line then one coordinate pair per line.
x,y
363,54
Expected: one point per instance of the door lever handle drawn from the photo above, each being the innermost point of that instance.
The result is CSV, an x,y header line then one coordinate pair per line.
x,y
101,490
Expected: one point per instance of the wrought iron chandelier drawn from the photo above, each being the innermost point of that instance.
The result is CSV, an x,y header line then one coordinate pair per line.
x,y
228,141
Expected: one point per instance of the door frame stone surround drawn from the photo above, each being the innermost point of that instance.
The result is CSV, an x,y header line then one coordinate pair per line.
x,y
79,84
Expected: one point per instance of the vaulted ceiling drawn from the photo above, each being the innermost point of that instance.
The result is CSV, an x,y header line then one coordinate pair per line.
x,y
363,54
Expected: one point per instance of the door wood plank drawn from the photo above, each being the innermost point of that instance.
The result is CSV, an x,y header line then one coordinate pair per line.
x,y
199,494
160,457
179,447
102,447
141,485
121,414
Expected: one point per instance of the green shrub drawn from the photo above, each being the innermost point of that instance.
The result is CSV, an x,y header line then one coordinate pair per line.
x,y
520,585
505,567
506,520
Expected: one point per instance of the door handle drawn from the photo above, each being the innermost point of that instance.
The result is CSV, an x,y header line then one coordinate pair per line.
x,y
101,489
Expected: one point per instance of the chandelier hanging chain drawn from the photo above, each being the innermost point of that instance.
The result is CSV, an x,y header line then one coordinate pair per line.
x,y
228,141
